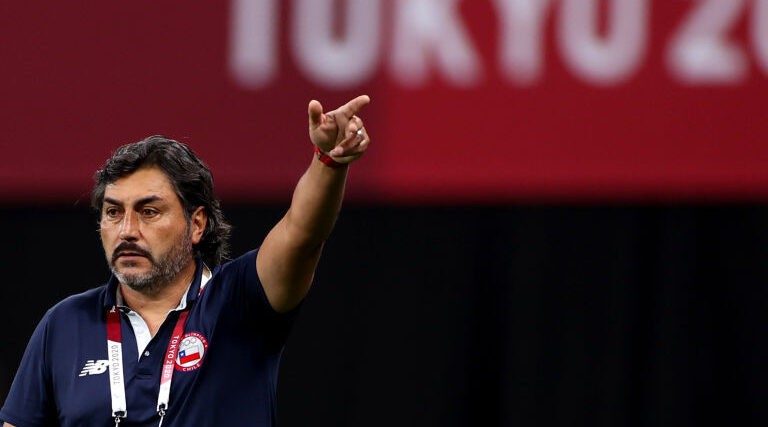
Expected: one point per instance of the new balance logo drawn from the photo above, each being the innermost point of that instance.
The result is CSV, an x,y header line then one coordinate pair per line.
x,y
94,367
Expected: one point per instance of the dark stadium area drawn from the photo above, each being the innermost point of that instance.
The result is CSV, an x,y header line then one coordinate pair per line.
x,y
531,315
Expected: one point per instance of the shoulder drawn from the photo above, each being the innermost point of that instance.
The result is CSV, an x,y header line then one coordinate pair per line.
x,y
85,303
243,266
237,281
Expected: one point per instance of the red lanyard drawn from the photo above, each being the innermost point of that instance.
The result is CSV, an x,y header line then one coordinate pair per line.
x,y
116,378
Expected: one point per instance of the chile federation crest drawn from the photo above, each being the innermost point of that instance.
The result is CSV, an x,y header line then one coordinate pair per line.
x,y
191,352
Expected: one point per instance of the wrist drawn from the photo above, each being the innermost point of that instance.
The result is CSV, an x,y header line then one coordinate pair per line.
x,y
326,159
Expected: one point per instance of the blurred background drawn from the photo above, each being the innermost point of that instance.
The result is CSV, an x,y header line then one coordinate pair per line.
x,y
561,220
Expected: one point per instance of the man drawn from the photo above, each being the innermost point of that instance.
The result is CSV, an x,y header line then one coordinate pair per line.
x,y
175,338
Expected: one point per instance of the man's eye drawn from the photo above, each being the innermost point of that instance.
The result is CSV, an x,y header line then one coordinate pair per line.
x,y
148,212
111,212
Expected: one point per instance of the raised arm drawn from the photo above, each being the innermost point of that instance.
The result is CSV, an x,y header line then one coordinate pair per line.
x,y
287,259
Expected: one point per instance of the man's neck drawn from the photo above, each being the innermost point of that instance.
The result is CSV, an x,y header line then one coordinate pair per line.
x,y
162,301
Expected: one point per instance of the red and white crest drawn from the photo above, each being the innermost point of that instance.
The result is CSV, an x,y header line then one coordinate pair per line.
x,y
191,352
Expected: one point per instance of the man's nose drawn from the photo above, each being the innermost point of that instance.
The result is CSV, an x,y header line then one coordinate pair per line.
x,y
129,227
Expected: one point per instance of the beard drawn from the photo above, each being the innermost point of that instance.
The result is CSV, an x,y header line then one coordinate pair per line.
x,y
163,270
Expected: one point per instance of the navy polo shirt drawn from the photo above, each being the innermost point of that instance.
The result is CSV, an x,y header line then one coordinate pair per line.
x,y
225,373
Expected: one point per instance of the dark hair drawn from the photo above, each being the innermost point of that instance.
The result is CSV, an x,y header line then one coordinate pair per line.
x,y
190,177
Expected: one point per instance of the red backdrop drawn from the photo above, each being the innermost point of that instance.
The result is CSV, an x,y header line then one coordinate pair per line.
x,y
473,101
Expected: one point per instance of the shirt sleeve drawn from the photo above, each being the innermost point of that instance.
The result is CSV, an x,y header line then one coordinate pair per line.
x,y
253,304
29,401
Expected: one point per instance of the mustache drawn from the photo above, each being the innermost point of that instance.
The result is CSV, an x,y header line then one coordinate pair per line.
x,y
130,247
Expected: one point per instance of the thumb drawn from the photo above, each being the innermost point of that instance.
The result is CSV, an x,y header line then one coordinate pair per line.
x,y
315,111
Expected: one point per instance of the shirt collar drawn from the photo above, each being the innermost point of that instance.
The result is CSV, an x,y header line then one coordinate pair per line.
x,y
111,298
120,301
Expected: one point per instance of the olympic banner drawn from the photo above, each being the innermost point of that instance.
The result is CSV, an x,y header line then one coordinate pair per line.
x,y
473,101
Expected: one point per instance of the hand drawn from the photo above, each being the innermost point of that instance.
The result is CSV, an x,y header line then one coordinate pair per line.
x,y
336,132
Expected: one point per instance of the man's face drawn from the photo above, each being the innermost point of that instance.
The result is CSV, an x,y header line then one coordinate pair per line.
x,y
146,236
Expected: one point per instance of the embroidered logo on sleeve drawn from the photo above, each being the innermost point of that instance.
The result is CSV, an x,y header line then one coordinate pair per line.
x,y
94,367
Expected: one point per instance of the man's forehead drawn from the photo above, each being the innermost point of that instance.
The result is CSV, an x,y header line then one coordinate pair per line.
x,y
140,184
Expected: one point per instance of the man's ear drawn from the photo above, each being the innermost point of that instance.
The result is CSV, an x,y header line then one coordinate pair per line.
x,y
198,221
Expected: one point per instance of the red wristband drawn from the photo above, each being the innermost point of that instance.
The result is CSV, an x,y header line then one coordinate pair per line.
x,y
325,158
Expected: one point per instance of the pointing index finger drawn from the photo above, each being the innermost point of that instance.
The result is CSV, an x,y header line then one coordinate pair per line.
x,y
352,107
